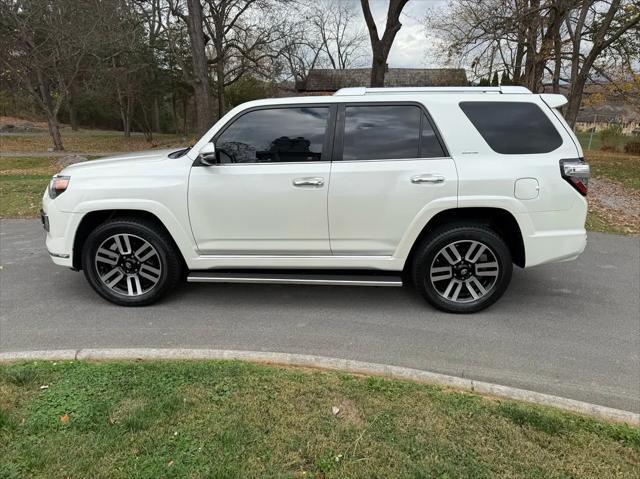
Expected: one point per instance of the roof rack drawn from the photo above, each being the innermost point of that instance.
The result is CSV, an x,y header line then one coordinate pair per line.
x,y
359,91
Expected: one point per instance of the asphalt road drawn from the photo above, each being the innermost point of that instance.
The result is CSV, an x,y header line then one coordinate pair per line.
x,y
569,329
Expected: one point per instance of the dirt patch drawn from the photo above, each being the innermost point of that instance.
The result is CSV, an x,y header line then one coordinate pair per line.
x,y
618,205
349,413
11,124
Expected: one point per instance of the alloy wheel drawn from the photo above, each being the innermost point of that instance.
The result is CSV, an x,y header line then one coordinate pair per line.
x,y
128,264
464,271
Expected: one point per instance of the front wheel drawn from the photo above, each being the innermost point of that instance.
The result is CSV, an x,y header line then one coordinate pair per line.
x,y
130,262
462,268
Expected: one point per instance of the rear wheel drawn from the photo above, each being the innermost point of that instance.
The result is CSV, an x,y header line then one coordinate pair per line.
x,y
462,268
130,262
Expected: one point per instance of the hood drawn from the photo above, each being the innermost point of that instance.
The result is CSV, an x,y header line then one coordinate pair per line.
x,y
124,160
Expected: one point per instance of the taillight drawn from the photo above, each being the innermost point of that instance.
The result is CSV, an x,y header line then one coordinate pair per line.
x,y
576,171
58,185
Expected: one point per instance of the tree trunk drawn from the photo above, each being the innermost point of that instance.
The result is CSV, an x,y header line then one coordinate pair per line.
x,y
200,81
54,131
378,70
557,46
575,99
73,116
220,73
71,107
382,46
50,111
155,115
174,111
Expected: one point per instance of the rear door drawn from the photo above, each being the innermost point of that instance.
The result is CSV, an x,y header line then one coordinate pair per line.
x,y
389,164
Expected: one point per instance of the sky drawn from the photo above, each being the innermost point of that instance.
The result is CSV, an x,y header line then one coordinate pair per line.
x,y
410,48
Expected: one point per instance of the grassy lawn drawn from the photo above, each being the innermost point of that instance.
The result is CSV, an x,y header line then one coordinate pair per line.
x,y
232,419
583,137
22,183
89,141
619,167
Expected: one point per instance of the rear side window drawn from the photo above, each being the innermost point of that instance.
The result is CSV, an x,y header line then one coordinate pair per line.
x,y
388,132
513,128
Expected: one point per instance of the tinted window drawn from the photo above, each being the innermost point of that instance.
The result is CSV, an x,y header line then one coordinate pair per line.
x,y
513,128
430,146
381,132
275,135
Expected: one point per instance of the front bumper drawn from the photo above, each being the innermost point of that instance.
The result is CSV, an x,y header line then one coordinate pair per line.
x,y
59,227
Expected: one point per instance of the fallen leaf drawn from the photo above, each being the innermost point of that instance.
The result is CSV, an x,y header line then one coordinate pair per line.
x,y
44,386
170,464
65,419
335,410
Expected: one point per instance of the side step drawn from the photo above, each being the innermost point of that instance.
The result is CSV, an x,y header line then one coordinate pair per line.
x,y
295,278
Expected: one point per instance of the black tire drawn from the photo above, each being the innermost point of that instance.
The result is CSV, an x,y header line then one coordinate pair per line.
x,y
430,253
165,257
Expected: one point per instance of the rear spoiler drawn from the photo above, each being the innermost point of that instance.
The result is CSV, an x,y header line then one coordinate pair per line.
x,y
554,100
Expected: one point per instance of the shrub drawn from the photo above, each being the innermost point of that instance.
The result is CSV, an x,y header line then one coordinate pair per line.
x,y
610,137
632,146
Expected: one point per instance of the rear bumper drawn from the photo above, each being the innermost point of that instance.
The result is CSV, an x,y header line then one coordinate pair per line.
x,y
554,246
554,236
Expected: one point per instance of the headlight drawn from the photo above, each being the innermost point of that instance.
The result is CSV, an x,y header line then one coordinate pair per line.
x,y
58,185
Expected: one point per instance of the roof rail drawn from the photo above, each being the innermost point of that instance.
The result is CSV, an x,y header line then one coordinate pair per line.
x,y
359,91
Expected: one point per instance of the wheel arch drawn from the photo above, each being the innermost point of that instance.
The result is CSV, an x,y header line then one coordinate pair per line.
x,y
93,219
498,219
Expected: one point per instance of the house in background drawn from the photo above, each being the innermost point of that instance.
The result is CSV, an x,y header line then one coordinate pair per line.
x,y
328,81
612,111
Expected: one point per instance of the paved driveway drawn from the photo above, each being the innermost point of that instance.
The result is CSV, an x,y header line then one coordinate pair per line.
x,y
569,329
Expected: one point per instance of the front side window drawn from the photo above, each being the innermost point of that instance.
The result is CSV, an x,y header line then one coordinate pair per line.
x,y
275,135
513,128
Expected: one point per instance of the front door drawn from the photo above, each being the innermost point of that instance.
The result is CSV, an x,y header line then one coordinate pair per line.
x,y
268,192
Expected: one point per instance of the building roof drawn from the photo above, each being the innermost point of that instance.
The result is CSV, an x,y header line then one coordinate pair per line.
x,y
328,80
613,110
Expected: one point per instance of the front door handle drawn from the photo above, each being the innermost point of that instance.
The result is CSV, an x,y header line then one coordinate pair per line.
x,y
314,181
430,179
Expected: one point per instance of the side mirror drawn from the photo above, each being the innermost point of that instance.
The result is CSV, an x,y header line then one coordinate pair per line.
x,y
207,155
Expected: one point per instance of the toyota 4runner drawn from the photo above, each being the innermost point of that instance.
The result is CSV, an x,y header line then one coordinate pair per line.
x,y
445,188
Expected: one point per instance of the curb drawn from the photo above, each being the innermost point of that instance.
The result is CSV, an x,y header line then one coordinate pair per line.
x,y
336,364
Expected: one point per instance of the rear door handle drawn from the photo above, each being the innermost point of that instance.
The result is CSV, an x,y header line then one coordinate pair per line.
x,y
313,181
430,179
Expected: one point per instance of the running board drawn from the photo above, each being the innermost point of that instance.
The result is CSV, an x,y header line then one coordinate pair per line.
x,y
295,278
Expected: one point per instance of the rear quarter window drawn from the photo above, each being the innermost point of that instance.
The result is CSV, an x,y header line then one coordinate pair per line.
x,y
512,128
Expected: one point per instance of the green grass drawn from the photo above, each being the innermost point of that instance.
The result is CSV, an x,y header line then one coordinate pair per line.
x,y
596,144
231,419
89,141
597,222
21,195
619,167
22,183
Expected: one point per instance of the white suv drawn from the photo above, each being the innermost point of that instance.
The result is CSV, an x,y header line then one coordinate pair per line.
x,y
443,187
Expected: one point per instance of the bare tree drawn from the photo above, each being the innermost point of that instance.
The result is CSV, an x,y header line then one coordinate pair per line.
x,y
45,49
382,46
319,35
199,77
333,24
561,40
242,34
607,28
